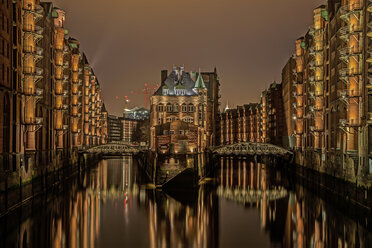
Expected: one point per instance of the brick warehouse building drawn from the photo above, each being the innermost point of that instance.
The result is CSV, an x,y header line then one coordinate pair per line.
x,y
333,97
262,123
50,97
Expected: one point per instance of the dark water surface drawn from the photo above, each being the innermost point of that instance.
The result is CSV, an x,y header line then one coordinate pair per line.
x,y
245,204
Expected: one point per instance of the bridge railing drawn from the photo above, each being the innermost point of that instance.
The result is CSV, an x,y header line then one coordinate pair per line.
x,y
114,148
250,148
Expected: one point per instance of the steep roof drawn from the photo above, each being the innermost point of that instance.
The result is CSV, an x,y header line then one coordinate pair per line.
x,y
200,82
180,87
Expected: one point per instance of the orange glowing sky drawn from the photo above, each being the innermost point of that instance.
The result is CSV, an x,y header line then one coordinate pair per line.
x,y
128,42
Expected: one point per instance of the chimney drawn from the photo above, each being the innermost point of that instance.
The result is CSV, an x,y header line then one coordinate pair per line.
x,y
164,75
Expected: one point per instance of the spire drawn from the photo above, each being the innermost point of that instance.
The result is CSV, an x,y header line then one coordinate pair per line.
x,y
103,108
227,106
200,82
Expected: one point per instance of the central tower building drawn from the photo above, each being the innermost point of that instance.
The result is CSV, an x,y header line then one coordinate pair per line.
x,y
183,110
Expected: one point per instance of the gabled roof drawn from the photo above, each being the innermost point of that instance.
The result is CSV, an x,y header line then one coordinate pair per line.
x,y
180,87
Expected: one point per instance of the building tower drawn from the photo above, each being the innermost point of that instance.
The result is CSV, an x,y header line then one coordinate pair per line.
x,y
32,73
316,76
76,92
299,104
61,80
351,72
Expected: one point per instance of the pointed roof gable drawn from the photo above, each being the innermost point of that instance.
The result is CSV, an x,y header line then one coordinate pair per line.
x,y
200,82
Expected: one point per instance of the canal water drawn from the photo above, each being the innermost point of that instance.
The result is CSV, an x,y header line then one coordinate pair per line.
x,y
244,204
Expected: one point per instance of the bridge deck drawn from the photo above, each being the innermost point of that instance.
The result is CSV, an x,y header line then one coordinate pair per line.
x,y
250,148
114,149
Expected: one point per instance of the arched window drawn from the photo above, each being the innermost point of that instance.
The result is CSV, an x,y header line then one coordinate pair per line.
x,y
176,108
184,108
191,108
169,107
160,108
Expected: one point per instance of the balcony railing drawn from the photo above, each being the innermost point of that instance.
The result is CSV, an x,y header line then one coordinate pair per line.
x,y
78,93
343,122
32,28
356,28
351,8
33,71
354,71
369,117
65,49
39,120
369,84
312,30
39,92
343,72
369,8
77,104
343,30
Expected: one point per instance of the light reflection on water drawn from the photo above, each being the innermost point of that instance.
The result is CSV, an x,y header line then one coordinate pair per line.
x,y
246,204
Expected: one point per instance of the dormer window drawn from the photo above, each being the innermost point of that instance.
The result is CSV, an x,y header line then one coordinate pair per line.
x,y
180,92
165,90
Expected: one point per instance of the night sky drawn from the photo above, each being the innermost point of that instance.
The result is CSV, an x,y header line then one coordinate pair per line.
x,y
128,42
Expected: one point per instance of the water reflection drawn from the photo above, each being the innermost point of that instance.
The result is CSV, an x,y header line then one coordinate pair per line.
x,y
246,204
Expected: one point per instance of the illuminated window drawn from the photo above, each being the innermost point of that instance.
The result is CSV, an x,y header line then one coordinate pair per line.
x,y
169,107
160,108
191,108
188,119
175,108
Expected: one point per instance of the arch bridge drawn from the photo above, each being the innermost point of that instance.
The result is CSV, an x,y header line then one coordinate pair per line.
x,y
250,148
117,148
251,195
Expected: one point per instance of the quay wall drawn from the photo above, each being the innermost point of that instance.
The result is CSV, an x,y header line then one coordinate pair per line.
x,y
337,175
37,173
